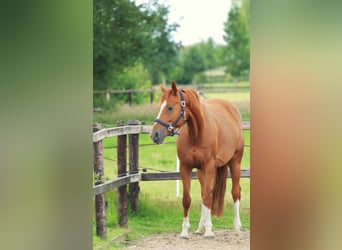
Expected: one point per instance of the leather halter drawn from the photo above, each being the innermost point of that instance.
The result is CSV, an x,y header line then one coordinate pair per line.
x,y
171,126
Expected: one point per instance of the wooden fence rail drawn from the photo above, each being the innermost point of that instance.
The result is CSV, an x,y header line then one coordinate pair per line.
x,y
133,178
137,129
132,130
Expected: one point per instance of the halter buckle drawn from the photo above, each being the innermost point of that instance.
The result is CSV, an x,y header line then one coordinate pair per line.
x,y
170,128
183,104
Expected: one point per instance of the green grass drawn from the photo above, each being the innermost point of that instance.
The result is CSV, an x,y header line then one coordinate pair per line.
x,y
234,97
241,99
161,212
226,84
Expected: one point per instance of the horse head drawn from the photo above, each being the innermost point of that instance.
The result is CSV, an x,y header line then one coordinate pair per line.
x,y
172,114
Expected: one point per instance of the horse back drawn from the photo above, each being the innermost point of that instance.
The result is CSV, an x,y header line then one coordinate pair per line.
x,y
223,109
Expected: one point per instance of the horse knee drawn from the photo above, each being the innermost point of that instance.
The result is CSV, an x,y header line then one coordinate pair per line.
x,y
186,201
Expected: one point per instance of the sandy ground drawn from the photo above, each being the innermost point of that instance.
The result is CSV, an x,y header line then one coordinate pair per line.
x,y
224,239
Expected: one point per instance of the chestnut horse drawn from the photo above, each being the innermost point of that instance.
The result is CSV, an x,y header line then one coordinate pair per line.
x,y
210,139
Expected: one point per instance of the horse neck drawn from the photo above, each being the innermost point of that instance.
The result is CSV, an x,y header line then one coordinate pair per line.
x,y
195,117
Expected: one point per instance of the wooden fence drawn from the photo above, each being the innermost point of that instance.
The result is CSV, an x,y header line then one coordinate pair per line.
x,y
130,92
132,130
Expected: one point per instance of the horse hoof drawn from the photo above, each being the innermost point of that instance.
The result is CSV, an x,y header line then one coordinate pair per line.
x,y
237,228
200,231
209,235
186,237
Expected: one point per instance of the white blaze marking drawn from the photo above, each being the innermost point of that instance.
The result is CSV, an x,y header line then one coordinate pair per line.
x,y
161,109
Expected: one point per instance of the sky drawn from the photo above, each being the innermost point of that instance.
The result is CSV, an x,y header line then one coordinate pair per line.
x,y
198,20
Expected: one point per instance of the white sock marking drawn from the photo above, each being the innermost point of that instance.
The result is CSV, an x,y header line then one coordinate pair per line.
x,y
206,216
186,222
201,224
185,227
237,222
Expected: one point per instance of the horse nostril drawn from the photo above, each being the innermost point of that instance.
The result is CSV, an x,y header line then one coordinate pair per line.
x,y
158,137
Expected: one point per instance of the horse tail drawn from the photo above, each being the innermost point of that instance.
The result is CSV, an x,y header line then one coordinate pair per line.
x,y
219,190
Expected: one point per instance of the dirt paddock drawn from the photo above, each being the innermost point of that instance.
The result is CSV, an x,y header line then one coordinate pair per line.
x,y
224,239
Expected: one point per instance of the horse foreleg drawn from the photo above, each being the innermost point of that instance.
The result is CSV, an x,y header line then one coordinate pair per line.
x,y
201,225
186,180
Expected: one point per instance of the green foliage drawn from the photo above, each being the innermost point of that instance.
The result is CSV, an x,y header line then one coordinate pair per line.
x,y
195,59
162,52
237,37
125,34
100,101
193,62
211,54
134,77
118,38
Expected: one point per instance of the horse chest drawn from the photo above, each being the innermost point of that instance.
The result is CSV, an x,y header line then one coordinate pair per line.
x,y
194,157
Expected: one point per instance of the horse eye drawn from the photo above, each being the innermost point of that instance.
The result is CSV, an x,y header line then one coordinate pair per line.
x,y
169,108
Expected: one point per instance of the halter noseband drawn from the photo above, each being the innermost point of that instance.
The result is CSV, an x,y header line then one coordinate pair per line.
x,y
170,127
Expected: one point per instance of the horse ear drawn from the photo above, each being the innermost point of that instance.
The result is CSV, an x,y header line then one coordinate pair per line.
x,y
163,89
174,88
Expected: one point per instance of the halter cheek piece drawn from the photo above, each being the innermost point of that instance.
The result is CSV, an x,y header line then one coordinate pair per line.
x,y
170,127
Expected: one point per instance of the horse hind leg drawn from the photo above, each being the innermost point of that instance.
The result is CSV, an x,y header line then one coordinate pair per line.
x,y
234,165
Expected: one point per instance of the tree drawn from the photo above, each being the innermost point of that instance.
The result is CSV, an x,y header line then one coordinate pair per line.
x,y
193,62
162,51
210,56
118,38
237,37
126,35
196,59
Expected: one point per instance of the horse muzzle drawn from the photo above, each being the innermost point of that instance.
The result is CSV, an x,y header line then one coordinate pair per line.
x,y
158,136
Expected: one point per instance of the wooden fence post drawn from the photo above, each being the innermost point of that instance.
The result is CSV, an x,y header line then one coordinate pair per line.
x,y
100,203
107,95
133,142
152,95
130,97
122,165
